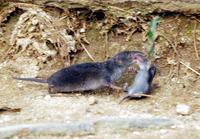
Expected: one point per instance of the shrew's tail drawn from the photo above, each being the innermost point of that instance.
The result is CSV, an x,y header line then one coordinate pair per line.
x,y
31,79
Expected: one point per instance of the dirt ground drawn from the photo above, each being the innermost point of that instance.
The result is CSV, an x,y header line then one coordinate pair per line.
x,y
171,86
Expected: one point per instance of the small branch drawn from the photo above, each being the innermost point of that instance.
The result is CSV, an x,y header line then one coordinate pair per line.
x,y
88,53
130,34
177,56
170,43
8,109
82,45
194,38
174,46
190,68
106,46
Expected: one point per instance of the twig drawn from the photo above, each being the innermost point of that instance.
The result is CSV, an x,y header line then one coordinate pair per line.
x,y
177,55
6,54
170,71
120,9
179,60
8,109
174,46
91,57
190,68
170,43
195,44
106,46
82,45
196,19
130,34
62,18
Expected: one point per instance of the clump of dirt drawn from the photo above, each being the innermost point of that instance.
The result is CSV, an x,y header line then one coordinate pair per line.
x,y
36,32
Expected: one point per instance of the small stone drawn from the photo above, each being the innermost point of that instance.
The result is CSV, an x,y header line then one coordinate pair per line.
x,y
197,127
92,101
39,97
136,133
35,22
47,97
20,84
4,118
173,126
31,29
163,131
183,109
82,30
196,93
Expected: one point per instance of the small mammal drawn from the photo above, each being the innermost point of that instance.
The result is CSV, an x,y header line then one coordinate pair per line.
x,y
90,76
142,82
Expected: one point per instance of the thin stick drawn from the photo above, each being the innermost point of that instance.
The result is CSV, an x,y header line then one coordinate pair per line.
x,y
91,57
177,55
195,44
62,18
82,45
174,46
120,9
106,46
130,34
190,68
196,19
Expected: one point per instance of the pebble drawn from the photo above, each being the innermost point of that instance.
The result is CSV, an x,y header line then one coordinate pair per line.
x,y
82,30
35,22
4,118
173,126
163,131
136,133
196,93
92,100
47,97
183,109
